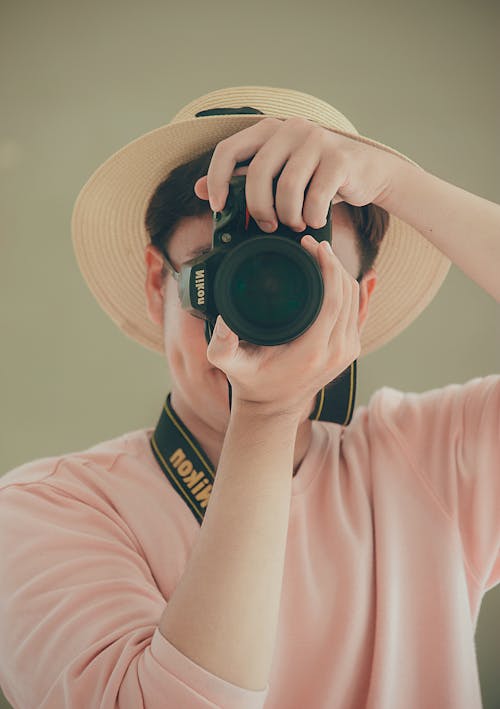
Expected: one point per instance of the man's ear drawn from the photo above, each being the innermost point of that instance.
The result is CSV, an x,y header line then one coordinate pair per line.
x,y
366,288
155,284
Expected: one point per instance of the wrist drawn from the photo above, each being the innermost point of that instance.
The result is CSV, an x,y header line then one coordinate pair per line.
x,y
401,173
267,413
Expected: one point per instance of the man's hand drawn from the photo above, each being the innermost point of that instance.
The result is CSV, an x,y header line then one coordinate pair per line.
x,y
277,380
317,167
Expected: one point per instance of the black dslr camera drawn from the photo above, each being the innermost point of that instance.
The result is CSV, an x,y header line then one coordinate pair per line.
x,y
267,287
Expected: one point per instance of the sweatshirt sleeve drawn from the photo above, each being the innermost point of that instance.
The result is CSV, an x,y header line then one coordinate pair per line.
x,y
79,614
452,437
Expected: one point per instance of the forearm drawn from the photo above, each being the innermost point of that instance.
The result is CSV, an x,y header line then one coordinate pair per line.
x,y
465,227
224,612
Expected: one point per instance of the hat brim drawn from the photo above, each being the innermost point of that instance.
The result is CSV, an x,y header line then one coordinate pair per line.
x,y
109,234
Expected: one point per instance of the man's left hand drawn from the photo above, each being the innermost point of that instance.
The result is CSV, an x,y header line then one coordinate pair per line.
x,y
317,167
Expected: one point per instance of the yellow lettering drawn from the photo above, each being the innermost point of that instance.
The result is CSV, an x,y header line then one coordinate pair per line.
x,y
193,478
177,457
185,468
197,487
204,496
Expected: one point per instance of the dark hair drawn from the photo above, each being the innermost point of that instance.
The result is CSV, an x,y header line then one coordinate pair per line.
x,y
174,199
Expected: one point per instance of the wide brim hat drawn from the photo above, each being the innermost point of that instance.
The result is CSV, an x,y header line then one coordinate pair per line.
x,y
108,223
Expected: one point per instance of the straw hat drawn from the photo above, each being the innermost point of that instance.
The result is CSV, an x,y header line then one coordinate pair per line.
x,y
109,234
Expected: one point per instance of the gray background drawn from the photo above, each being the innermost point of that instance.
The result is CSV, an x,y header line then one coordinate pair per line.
x,y
79,80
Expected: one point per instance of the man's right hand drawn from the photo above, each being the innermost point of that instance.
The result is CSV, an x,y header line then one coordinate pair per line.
x,y
282,379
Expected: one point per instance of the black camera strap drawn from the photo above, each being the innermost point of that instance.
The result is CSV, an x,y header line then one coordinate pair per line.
x,y
189,469
183,461
335,402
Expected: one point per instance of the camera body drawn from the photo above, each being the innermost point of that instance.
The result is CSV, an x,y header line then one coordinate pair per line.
x,y
267,287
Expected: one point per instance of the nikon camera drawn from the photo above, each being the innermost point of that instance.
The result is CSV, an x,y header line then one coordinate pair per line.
x,y
267,287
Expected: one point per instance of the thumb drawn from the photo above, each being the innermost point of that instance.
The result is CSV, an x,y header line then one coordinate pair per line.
x,y
222,345
201,188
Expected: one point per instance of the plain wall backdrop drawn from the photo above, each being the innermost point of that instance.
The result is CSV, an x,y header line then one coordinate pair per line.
x,y
80,80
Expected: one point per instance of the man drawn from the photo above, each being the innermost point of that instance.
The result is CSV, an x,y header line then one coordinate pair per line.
x,y
334,565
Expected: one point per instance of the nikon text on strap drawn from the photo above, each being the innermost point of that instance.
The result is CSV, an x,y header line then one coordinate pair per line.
x,y
183,461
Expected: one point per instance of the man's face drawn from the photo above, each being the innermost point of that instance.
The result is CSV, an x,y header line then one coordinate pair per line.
x,y
193,377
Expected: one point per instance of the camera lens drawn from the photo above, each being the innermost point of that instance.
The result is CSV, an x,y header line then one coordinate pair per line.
x,y
269,290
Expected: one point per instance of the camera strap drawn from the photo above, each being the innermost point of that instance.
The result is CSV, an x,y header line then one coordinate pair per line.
x,y
183,461
189,469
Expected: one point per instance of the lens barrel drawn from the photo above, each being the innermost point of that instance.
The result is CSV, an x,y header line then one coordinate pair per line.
x,y
268,289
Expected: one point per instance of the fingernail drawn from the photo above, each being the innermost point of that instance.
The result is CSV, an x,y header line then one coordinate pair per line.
x,y
217,203
267,226
221,329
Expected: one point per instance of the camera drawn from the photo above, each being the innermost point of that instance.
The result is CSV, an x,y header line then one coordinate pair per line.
x,y
267,287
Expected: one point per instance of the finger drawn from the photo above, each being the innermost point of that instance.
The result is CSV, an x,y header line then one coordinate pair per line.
x,y
353,325
348,324
326,182
338,336
271,159
330,266
311,245
201,188
238,147
351,344
294,180
331,269
222,346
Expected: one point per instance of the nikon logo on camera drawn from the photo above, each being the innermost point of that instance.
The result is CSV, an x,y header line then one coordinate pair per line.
x,y
199,281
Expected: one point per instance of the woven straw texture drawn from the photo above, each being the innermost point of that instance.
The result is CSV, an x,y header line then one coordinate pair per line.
x,y
109,234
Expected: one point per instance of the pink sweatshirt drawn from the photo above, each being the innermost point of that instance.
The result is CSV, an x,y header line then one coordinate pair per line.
x,y
393,540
